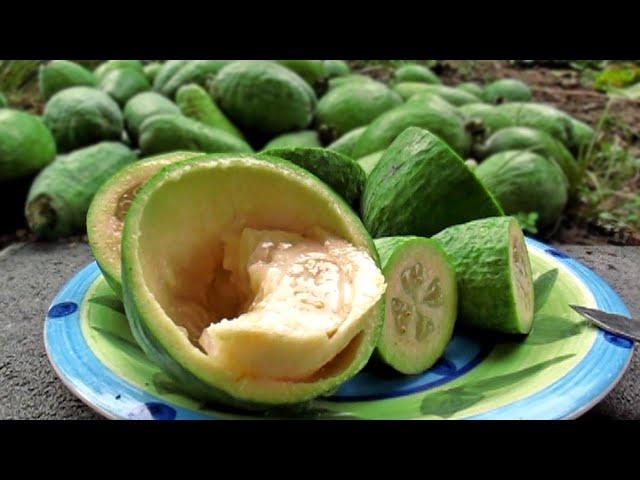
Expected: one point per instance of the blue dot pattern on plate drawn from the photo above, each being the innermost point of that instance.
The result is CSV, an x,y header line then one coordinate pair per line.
x,y
556,253
153,411
618,341
62,309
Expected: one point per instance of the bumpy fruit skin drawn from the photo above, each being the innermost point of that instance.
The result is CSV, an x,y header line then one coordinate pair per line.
x,y
99,221
60,74
169,132
480,254
392,251
196,103
151,70
536,141
26,145
201,384
471,87
420,187
506,90
264,97
143,106
491,118
304,138
311,71
452,95
416,73
124,83
104,68
3,100
383,130
541,116
354,105
347,142
336,68
369,162
525,182
81,116
60,195
340,172
177,73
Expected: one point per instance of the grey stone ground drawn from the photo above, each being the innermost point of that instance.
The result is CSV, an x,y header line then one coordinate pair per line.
x,y
31,274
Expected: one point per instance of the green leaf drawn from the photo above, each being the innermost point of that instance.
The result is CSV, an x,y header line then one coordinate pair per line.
x,y
551,328
447,403
109,301
542,287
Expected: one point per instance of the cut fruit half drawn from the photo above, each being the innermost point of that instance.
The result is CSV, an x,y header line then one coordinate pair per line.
x,y
493,270
420,303
105,218
250,281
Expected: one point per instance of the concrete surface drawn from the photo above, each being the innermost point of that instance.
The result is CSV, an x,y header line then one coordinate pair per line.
x,y
31,274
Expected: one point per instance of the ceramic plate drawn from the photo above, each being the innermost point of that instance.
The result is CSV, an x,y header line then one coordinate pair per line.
x,y
563,368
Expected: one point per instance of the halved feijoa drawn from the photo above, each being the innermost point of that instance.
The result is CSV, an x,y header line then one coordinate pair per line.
x,y
250,282
495,288
105,218
420,302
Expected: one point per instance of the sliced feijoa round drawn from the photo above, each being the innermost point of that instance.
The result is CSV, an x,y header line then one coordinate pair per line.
x,y
495,287
420,303
105,218
250,282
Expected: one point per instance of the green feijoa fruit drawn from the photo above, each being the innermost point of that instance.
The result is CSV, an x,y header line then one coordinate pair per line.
x,y
347,142
488,118
353,105
166,72
432,101
541,116
311,71
421,303
506,90
81,116
200,72
170,132
151,70
336,68
264,97
26,145
60,195
60,74
452,95
471,87
143,106
493,271
525,182
368,162
104,68
351,78
340,172
415,73
196,103
303,138
420,187
105,218
124,83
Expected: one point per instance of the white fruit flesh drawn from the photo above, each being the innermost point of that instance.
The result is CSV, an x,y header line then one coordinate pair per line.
x,y
521,277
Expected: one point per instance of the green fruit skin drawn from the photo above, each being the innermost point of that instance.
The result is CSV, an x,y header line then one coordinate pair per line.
x,y
340,172
311,71
536,141
26,144
479,253
122,84
471,87
383,130
347,142
169,132
196,103
168,70
264,97
95,229
582,136
104,68
420,187
416,73
191,383
143,106
368,162
81,116
60,74
192,71
388,249
3,100
525,182
336,68
151,70
452,95
432,101
351,78
506,90
491,117
354,105
305,138
541,116
60,195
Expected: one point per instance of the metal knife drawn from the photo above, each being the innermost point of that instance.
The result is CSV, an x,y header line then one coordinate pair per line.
x,y
611,322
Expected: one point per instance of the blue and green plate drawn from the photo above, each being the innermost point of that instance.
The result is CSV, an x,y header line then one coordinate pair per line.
x,y
560,370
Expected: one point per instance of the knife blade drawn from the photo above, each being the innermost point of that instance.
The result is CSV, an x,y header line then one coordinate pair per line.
x,y
611,322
